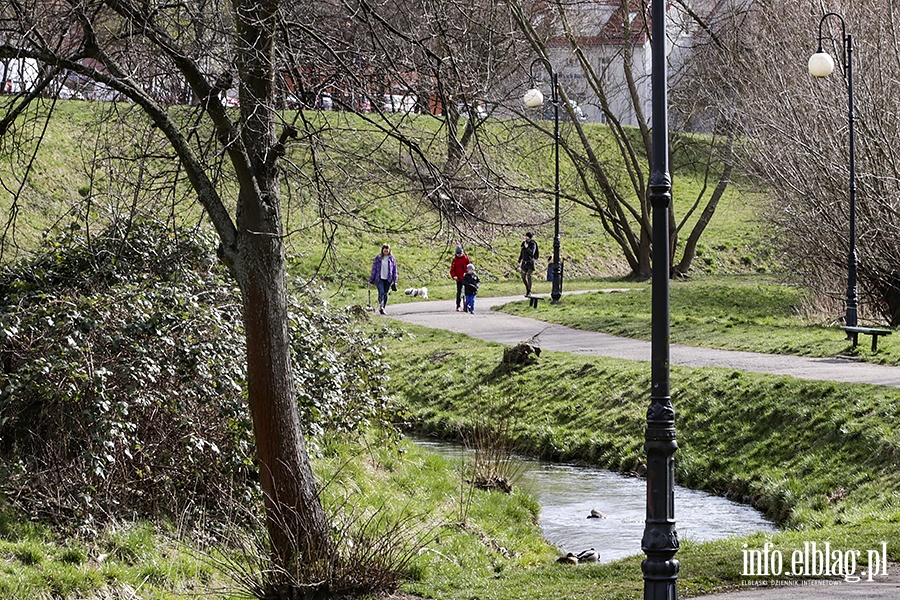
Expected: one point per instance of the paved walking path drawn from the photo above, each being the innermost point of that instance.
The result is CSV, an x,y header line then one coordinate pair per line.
x,y
883,587
494,326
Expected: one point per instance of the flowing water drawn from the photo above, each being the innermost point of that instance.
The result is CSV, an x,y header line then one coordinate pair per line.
x,y
568,493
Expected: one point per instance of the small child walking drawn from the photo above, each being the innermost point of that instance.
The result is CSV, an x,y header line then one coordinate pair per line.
x,y
470,286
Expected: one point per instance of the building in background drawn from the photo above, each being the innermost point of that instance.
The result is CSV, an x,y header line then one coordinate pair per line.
x,y
601,51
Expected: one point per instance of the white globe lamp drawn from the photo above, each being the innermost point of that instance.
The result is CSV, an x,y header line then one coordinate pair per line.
x,y
533,98
821,64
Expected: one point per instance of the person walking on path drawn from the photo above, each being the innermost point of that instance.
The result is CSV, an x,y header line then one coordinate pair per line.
x,y
458,270
527,256
384,275
470,283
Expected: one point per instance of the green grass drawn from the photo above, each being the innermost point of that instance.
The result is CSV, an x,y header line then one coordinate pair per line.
x,y
817,456
35,564
786,445
745,435
750,313
454,534
370,201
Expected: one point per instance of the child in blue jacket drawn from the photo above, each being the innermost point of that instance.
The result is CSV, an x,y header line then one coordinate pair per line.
x,y
470,286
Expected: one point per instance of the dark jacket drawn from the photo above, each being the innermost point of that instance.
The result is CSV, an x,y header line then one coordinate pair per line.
x,y
528,254
376,269
470,284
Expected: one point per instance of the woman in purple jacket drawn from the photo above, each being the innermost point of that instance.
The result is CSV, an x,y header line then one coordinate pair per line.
x,y
384,275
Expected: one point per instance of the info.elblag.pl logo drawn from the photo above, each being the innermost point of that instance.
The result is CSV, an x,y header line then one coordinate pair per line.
x,y
815,559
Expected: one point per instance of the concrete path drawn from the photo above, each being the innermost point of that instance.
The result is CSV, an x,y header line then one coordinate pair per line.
x,y
494,326
881,588
489,325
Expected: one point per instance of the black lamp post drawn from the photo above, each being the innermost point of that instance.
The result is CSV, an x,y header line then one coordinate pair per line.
x,y
660,540
822,65
533,99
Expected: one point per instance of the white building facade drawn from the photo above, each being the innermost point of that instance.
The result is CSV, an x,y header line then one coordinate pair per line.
x,y
603,58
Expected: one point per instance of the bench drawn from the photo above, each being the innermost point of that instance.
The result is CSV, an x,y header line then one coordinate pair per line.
x,y
853,334
533,300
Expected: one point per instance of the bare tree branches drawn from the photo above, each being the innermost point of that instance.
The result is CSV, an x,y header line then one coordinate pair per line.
x,y
796,129
602,49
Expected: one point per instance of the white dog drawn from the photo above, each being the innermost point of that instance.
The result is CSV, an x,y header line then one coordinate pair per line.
x,y
421,292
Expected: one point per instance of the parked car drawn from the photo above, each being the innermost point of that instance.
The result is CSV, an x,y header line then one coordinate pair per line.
x,y
100,92
325,102
479,109
67,93
402,103
579,114
292,101
563,113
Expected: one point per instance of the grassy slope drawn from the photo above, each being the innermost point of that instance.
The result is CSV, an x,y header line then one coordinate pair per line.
x,y
372,199
819,457
57,174
452,533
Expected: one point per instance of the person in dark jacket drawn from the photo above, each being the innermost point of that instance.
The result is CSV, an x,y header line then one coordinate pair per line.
x,y
384,275
457,271
527,257
470,284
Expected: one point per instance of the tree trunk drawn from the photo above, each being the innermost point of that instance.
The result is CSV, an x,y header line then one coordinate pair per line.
x,y
294,513
890,296
295,517
455,150
644,270
690,247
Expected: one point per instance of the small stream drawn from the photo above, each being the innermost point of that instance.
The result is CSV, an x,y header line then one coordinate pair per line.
x,y
568,493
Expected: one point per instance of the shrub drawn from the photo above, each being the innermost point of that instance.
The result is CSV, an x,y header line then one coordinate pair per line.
x,y
122,388
339,372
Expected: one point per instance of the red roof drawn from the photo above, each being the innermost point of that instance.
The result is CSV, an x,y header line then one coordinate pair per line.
x,y
615,31
618,32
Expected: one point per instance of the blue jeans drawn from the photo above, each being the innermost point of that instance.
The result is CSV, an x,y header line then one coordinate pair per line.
x,y
470,303
384,288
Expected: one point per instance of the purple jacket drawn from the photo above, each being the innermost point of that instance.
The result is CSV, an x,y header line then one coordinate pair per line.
x,y
376,269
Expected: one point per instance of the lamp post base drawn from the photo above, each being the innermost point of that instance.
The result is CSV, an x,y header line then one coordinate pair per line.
x,y
556,292
659,579
660,590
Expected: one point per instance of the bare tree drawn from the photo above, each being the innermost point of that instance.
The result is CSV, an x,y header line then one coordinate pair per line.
x,y
139,50
796,132
598,46
199,83
456,59
424,76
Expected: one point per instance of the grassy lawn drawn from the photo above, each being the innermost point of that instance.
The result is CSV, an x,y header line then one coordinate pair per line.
x,y
364,198
818,457
371,484
126,561
748,312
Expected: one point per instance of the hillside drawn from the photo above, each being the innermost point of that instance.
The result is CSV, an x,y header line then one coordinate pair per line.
x,y
349,187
